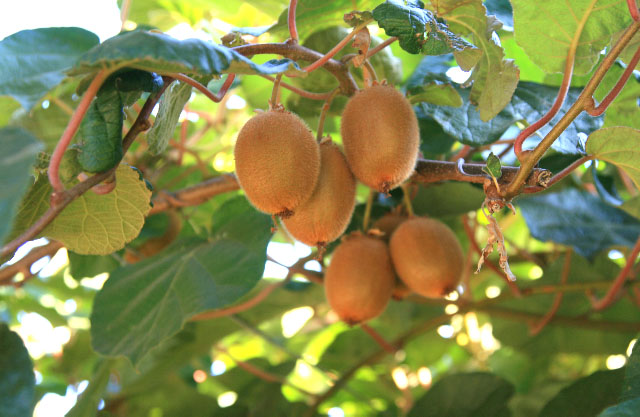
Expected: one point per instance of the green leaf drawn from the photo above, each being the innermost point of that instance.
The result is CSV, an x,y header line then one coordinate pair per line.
x,y
171,104
619,146
631,386
493,168
624,110
604,18
494,78
87,404
587,396
418,31
448,199
632,206
156,52
88,266
626,409
313,15
92,224
143,304
530,101
465,395
436,93
17,381
578,219
19,151
32,62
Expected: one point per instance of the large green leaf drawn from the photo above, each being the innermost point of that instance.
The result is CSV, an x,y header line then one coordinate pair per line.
x,y
157,52
631,386
143,304
465,395
418,31
312,15
19,151
87,404
546,28
624,110
32,62
92,224
578,219
587,396
620,146
530,101
494,78
632,206
17,380
171,104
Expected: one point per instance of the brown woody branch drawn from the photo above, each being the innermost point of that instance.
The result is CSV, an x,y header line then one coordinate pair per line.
x,y
24,264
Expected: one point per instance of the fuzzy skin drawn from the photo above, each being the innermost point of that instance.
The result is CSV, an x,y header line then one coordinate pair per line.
x,y
427,256
388,223
359,281
381,137
325,216
277,162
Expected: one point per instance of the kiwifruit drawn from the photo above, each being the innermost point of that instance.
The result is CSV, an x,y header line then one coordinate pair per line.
x,y
388,223
277,162
427,256
325,216
381,137
359,280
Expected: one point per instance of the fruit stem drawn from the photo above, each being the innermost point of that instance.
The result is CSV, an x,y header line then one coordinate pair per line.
x,y
380,47
298,91
407,200
367,210
633,9
560,175
325,109
566,269
617,284
202,88
273,103
384,344
369,74
293,30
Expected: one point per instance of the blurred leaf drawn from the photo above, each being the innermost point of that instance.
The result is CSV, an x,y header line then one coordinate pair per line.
x,y
32,62
418,31
437,93
433,139
603,19
19,151
626,409
88,266
157,52
92,224
171,104
501,9
465,395
577,218
448,199
313,15
87,404
631,386
632,206
143,304
17,380
587,396
619,146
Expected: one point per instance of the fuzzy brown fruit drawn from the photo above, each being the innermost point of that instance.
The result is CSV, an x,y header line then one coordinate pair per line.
x,y
388,223
381,137
325,216
359,281
427,256
277,162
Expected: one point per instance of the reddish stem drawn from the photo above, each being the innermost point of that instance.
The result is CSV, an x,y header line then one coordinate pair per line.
x,y
380,47
597,111
560,175
293,30
562,94
633,9
384,344
300,92
472,240
71,129
461,154
566,268
335,49
202,88
617,284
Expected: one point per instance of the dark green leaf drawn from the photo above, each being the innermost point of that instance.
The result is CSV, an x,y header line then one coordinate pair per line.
x,y
587,396
32,62
578,219
19,151
171,104
433,139
160,53
143,304
631,386
88,266
417,29
438,93
501,9
626,409
17,380
465,395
